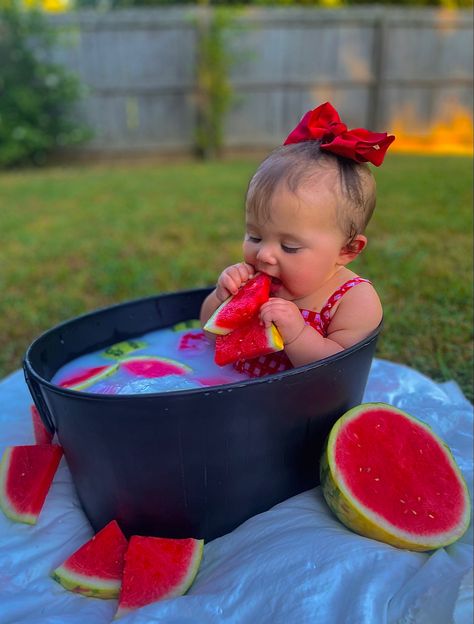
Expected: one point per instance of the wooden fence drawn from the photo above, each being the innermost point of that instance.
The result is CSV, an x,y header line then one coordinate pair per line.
x,y
383,68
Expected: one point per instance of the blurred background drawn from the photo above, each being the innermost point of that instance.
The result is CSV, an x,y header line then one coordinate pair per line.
x,y
129,130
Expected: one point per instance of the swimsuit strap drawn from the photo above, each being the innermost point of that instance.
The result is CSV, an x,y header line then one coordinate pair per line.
x,y
336,295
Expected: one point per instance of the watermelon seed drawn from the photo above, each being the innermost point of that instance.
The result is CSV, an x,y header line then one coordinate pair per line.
x,y
405,511
377,479
418,498
421,451
430,516
402,501
413,512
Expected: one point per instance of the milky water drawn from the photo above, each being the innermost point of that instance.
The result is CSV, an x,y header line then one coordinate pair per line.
x,y
170,359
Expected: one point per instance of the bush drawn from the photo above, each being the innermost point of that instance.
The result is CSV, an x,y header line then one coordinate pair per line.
x,y
36,95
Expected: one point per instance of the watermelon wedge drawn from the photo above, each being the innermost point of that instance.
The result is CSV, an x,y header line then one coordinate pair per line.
x,y
119,350
387,476
157,568
26,474
241,307
151,366
96,568
248,341
88,377
42,435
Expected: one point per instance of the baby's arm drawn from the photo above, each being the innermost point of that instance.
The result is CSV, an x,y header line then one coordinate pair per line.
x,y
229,282
358,313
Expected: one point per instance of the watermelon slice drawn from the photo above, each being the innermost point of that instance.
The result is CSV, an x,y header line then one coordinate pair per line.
x,y
88,377
96,568
151,366
26,473
387,476
248,341
119,350
157,568
194,341
240,308
42,435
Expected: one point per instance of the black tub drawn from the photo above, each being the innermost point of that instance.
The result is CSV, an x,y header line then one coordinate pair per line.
x,y
195,462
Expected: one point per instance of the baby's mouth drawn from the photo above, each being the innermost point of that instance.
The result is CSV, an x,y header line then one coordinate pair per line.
x,y
275,285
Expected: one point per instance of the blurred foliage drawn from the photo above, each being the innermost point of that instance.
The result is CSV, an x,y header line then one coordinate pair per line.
x,y
36,94
451,4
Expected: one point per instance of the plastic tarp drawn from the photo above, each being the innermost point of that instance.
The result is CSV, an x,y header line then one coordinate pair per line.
x,y
292,564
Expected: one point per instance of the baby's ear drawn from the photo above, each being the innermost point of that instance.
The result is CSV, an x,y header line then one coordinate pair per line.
x,y
351,250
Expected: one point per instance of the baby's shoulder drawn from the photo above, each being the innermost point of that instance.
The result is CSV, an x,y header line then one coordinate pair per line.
x,y
359,307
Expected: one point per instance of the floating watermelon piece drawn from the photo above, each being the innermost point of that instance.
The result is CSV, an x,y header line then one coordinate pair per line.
x,y
88,377
248,341
184,325
157,568
387,476
26,473
121,349
152,366
96,568
241,307
42,435
194,341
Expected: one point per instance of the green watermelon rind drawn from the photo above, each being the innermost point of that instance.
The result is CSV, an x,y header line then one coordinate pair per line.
x,y
186,582
91,586
5,506
95,378
211,325
356,516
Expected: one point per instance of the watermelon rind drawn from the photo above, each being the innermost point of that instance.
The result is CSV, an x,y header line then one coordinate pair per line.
x,y
212,326
110,370
183,586
7,507
240,344
359,518
92,586
184,368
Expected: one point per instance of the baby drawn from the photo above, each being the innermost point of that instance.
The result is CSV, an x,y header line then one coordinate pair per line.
x,y
307,208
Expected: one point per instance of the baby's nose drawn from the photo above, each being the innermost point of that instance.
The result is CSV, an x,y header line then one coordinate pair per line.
x,y
266,255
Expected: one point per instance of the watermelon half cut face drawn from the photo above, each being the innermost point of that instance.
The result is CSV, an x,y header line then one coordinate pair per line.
x,y
246,342
85,378
95,569
26,474
386,475
157,568
152,367
241,307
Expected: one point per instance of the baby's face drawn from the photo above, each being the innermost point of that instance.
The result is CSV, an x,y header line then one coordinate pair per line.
x,y
298,242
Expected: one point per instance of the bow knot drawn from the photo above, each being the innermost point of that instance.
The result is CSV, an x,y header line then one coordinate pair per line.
x,y
324,124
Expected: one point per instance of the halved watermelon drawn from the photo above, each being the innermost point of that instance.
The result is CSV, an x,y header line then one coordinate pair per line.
x,y
42,435
157,568
248,341
87,377
241,307
26,473
95,569
386,475
152,366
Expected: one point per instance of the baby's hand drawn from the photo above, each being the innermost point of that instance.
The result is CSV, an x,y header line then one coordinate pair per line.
x,y
232,278
286,316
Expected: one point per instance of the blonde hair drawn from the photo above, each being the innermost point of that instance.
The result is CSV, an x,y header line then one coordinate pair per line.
x,y
297,164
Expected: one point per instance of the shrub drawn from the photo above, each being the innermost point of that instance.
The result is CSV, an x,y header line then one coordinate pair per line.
x,y
36,94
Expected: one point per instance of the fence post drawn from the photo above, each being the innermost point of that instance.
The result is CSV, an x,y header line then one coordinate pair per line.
x,y
379,50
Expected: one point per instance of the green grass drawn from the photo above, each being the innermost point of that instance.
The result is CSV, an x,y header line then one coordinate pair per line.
x,y
78,238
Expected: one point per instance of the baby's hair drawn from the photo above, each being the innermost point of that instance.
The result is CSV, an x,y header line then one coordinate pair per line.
x,y
296,164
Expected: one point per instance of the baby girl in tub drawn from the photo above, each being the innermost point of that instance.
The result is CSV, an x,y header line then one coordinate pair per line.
x,y
307,207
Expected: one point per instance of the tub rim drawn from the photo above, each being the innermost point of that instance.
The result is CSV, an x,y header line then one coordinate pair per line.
x,y
32,375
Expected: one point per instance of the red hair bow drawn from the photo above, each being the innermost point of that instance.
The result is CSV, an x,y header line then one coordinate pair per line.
x,y
324,124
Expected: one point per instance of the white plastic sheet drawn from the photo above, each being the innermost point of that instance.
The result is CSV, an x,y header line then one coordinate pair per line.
x,y
293,564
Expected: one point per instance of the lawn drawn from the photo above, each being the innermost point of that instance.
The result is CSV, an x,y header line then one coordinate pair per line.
x,y
78,238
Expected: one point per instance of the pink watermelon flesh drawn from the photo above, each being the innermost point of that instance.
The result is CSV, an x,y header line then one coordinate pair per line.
x,y
241,307
157,568
26,474
248,341
398,470
152,367
42,435
195,341
96,568
83,376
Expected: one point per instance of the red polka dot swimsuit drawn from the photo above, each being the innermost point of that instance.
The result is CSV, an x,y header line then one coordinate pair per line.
x,y
277,362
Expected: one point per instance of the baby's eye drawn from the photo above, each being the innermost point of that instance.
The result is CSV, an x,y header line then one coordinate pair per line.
x,y
288,249
253,239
